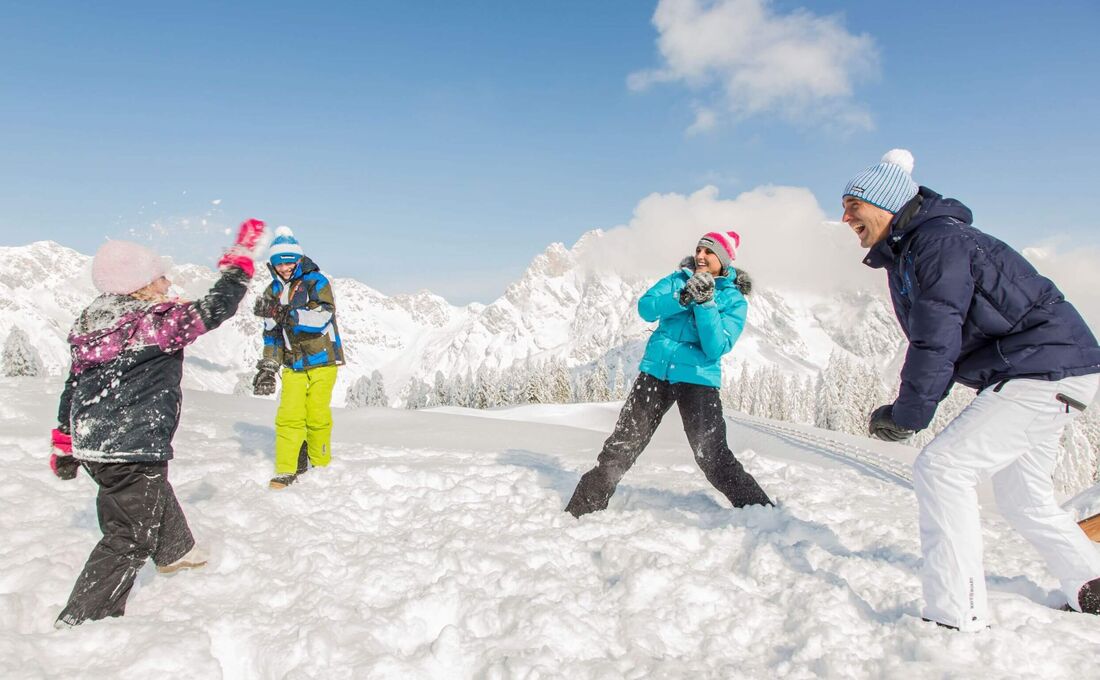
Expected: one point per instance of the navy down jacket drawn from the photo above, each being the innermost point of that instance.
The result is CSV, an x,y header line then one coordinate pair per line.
x,y
974,310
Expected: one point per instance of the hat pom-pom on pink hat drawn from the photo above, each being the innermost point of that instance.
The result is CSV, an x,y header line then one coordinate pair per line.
x,y
122,267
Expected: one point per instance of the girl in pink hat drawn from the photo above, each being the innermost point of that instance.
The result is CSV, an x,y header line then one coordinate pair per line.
x,y
120,409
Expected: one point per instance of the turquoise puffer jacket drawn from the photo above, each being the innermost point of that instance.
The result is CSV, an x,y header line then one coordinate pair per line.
x,y
689,342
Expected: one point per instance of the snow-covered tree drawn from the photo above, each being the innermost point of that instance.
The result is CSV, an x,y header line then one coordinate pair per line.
x,y
619,385
19,357
536,387
357,392
368,391
440,393
416,393
595,387
486,388
560,386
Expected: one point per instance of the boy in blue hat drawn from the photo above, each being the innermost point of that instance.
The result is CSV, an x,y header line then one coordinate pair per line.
x,y
301,339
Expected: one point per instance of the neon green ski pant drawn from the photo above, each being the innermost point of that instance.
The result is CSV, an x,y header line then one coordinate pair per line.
x,y
304,416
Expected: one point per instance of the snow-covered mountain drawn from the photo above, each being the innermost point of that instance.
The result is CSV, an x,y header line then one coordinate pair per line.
x,y
560,307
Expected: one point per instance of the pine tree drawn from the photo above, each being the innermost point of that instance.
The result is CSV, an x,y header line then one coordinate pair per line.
x,y
535,390
486,390
595,384
619,385
376,390
358,391
20,358
561,387
440,396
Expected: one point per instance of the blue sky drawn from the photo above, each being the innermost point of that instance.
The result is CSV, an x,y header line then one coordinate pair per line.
x,y
441,145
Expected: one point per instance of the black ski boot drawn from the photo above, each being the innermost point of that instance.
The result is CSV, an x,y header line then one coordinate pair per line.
x,y
1089,597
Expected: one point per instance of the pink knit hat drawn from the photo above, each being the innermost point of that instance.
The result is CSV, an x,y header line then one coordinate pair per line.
x,y
122,267
724,245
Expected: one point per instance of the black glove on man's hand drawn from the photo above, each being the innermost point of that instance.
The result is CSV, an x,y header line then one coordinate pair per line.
x,y
263,383
882,425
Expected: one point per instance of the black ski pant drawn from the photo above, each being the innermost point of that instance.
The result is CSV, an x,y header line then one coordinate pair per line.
x,y
648,402
140,518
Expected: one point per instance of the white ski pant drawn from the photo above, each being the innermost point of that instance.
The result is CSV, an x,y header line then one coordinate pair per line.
x,y
1011,435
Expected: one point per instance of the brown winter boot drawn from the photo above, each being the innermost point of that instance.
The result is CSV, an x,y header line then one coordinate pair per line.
x,y
1091,527
281,481
196,557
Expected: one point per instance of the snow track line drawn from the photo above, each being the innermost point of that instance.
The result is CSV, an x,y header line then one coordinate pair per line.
x,y
874,463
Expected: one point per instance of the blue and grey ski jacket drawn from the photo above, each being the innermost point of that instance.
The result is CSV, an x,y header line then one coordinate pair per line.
x,y
974,310
689,342
310,337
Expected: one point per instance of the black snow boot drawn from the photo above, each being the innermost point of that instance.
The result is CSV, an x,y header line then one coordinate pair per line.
x,y
281,481
1089,597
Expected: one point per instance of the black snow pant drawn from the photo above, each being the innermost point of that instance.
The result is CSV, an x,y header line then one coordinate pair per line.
x,y
649,401
140,518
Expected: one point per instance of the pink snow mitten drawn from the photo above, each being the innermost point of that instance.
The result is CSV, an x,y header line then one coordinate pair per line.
x,y
240,253
62,462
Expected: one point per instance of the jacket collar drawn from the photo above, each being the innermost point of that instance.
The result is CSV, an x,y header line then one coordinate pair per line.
x,y
923,208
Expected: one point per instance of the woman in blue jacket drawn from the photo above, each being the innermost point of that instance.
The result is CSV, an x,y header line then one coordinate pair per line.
x,y
701,314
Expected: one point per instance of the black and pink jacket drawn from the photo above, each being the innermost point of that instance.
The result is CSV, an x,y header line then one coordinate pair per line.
x,y
122,400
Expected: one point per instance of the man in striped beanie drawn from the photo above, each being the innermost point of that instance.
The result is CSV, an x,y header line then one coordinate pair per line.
x,y
975,312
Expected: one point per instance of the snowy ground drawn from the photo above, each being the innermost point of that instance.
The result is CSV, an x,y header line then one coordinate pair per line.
x,y
435,547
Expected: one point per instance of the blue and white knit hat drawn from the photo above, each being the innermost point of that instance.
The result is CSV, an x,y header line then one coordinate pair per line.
x,y
284,248
889,185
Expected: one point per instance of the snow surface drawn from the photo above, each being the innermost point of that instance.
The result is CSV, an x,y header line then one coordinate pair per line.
x,y
435,546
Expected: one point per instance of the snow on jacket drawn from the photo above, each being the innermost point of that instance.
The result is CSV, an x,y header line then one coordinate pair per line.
x,y
122,399
974,310
310,337
689,342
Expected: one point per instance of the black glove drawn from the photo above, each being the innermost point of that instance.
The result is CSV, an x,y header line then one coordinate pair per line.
x,y
265,307
263,383
283,316
699,289
688,263
882,425
66,467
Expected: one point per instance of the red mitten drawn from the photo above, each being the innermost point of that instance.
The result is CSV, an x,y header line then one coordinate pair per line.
x,y
240,253
61,441
62,462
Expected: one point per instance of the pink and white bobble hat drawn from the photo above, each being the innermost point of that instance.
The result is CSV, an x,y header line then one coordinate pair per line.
x,y
724,245
122,267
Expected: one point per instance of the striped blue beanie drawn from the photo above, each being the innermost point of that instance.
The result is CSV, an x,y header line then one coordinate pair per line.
x,y
284,248
889,184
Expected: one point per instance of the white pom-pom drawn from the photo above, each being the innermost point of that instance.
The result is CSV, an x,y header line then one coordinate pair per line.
x,y
901,158
284,230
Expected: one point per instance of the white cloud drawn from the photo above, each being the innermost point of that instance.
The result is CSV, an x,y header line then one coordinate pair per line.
x,y
786,241
752,60
1076,275
705,120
